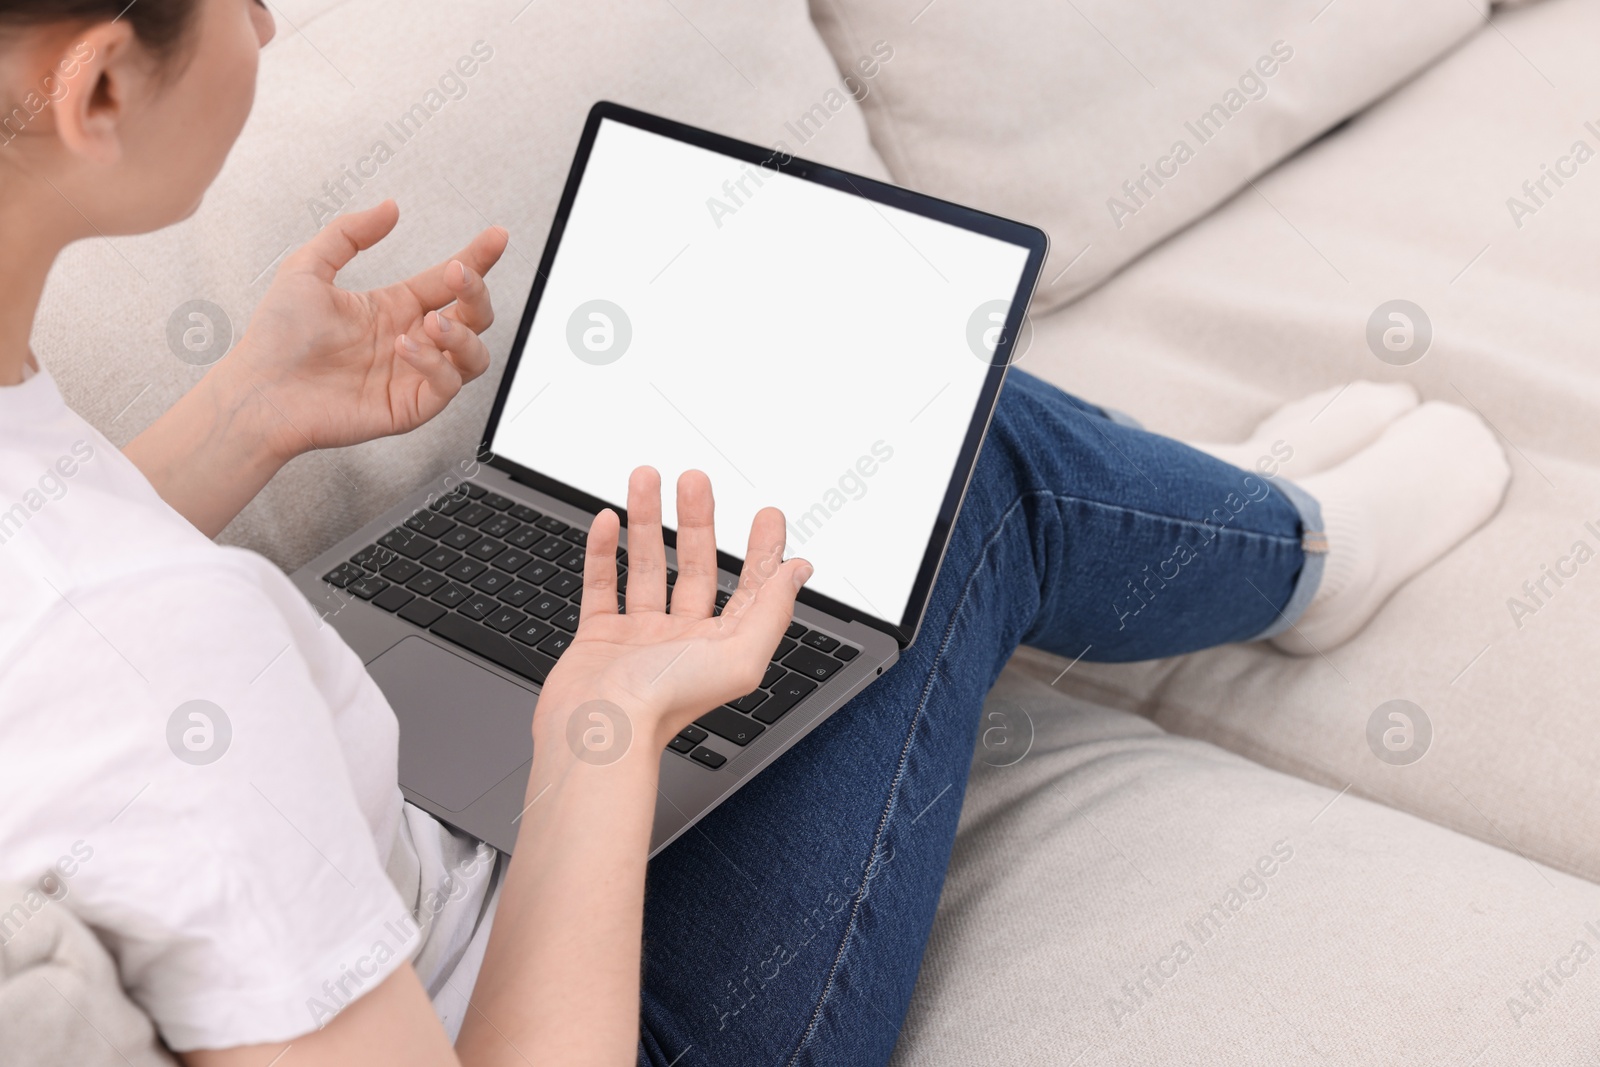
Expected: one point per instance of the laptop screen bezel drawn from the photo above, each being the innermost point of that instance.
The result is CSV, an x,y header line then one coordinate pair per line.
x,y
1030,238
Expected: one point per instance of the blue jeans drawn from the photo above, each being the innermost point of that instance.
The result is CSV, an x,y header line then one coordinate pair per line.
x,y
789,925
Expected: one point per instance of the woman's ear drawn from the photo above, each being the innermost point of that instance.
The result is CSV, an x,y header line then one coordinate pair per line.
x,y
92,81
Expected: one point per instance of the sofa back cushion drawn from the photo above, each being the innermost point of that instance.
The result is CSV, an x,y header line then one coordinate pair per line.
x,y
466,114
1113,123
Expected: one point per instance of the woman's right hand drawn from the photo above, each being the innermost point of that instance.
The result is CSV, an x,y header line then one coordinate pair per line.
x,y
664,668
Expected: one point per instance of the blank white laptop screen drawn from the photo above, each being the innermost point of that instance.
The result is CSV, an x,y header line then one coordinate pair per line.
x,y
807,348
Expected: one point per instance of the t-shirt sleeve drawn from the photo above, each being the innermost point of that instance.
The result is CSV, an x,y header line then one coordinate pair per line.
x,y
185,758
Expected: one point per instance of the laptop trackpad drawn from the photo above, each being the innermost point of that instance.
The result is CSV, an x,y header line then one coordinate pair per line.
x,y
462,729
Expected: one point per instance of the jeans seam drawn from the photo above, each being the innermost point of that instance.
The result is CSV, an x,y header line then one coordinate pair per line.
x,y
1178,520
900,770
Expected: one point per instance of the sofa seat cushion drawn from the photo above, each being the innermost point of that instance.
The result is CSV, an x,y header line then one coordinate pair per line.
x,y
1122,896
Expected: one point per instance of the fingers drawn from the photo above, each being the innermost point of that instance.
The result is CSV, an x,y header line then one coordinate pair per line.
x,y
337,244
696,590
764,602
460,278
647,556
600,567
443,378
467,350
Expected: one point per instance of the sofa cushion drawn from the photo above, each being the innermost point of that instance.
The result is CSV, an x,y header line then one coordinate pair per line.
x,y
1421,199
495,145
1121,896
1113,124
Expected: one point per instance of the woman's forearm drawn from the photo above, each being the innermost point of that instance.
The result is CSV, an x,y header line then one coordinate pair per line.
x,y
214,450
560,980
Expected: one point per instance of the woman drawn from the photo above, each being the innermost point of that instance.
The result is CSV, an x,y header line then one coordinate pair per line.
x,y
249,902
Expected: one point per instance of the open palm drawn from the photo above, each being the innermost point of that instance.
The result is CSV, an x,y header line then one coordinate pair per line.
x,y
342,367
667,667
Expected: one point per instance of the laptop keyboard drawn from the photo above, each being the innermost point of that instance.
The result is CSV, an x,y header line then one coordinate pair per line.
x,y
504,581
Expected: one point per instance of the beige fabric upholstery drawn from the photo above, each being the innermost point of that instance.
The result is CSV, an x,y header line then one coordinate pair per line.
x,y
1041,110
60,1001
495,147
1269,299
1121,896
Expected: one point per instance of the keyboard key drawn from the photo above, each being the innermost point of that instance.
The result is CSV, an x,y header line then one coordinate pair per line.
x,y
504,620
430,525
492,581
401,570
519,593
393,598
464,570
494,647
577,536
693,734
774,672
523,513
477,606
785,646
709,758
451,595
795,631
551,548
573,561
532,632
785,695
440,558
622,556
538,572
749,702
524,537
544,605
820,641
495,500
473,514
408,544
474,490
367,586
448,505
460,537
343,575
499,526
426,583
563,584
672,577
486,549
723,596
811,663
556,644
846,653
681,744
567,618
423,613
729,724
374,557
511,560
551,524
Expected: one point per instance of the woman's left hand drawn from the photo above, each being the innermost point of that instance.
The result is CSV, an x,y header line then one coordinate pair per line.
x,y
338,367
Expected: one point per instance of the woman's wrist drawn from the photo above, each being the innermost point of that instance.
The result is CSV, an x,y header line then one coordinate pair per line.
x,y
216,448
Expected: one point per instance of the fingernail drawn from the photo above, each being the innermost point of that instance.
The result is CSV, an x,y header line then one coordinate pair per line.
x,y
441,323
410,345
461,271
802,575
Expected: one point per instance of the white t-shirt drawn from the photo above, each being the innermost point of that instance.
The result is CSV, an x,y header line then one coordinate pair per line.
x,y
196,764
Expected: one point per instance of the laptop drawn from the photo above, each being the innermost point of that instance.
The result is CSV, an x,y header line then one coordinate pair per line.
x,y
812,339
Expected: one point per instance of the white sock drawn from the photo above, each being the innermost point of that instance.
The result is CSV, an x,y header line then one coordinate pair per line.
x,y
1320,431
1433,477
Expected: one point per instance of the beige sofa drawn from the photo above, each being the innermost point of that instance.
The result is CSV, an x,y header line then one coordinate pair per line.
x,y
1201,860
